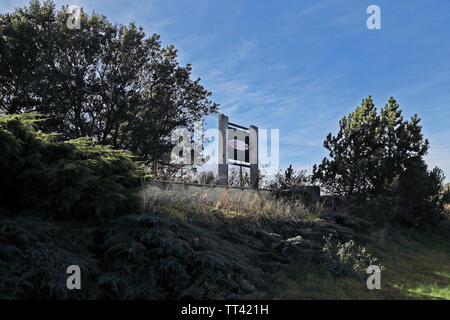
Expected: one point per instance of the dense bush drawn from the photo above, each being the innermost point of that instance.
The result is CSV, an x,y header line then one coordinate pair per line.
x,y
158,257
71,179
34,256
151,256
446,194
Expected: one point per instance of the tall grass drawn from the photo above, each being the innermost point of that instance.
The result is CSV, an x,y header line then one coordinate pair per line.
x,y
256,206
251,207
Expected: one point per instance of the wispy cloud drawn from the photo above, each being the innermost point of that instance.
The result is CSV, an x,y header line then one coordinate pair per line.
x,y
244,49
292,20
301,65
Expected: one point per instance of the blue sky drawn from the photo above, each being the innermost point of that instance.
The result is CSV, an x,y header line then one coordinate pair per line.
x,y
300,66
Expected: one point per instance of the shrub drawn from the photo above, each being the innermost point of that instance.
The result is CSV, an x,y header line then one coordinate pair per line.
x,y
289,179
207,177
69,179
158,257
445,192
34,256
419,196
414,200
347,258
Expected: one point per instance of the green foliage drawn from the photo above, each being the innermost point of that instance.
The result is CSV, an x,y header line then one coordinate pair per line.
x,y
34,256
380,158
150,256
105,81
418,269
158,257
419,195
352,152
76,178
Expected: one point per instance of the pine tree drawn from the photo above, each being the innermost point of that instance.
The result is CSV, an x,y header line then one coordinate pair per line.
x,y
382,155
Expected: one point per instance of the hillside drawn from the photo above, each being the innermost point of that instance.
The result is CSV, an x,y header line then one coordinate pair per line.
x,y
191,249
75,203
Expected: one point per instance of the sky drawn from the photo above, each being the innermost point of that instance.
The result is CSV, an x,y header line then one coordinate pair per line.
x,y
300,66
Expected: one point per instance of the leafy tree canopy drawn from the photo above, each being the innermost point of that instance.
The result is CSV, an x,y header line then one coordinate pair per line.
x,y
106,81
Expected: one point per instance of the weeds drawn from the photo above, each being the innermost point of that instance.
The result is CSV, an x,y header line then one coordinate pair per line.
x,y
347,258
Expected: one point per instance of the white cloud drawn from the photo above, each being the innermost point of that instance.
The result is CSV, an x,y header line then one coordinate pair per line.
x,y
244,49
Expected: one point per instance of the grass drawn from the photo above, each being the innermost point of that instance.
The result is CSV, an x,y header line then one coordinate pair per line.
x,y
431,291
418,269
427,266
251,208
443,274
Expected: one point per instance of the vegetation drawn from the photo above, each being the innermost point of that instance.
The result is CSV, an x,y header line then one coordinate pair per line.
x,y
379,158
34,256
192,247
83,105
240,206
415,268
105,81
178,249
76,179
289,179
347,258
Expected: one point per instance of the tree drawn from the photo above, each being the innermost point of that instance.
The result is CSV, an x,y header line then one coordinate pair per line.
x,y
382,156
289,179
236,179
109,82
352,152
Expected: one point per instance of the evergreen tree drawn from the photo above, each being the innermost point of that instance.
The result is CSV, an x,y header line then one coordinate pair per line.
x,y
70,179
352,152
381,156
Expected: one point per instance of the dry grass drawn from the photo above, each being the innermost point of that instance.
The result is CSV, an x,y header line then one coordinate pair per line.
x,y
252,208
257,206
